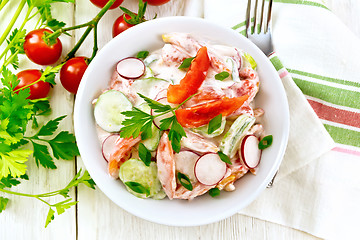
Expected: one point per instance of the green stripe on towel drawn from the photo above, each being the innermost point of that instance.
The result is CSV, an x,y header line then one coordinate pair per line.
x,y
330,94
344,136
329,79
309,3
276,62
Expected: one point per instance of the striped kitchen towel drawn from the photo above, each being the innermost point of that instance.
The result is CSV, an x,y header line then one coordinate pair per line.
x,y
321,56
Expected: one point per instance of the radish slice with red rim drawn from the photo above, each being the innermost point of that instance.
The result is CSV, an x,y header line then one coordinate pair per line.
x,y
210,169
157,120
250,154
109,146
130,68
185,163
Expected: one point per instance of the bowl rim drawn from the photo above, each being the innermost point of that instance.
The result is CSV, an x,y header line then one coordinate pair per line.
x,y
97,178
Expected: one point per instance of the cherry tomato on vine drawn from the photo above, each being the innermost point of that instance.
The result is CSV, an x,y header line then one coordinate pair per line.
x,y
38,90
71,73
156,2
38,51
102,3
120,25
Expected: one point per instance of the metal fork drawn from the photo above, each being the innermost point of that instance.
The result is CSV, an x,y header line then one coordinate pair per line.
x,y
259,33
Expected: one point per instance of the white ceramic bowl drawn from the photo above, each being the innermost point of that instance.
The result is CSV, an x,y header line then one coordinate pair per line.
x,y
204,209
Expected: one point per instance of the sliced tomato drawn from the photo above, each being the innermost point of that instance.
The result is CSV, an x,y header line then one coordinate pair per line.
x,y
192,80
200,115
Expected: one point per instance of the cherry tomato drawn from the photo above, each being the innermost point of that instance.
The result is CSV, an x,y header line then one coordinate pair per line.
x,y
71,73
200,115
156,2
120,25
37,90
192,80
102,3
38,51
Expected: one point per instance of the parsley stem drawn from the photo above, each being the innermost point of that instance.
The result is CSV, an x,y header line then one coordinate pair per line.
x,y
15,39
12,22
173,109
17,193
8,60
42,78
3,3
38,198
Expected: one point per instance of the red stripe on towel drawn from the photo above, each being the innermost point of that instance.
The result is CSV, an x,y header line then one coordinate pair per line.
x,y
336,115
344,150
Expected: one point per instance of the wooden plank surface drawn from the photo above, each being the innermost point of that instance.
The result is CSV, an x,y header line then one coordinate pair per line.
x,y
96,216
25,218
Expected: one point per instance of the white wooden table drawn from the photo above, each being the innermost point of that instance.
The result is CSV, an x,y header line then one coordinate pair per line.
x,y
96,217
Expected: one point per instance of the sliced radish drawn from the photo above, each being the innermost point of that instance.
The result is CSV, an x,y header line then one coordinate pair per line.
x,y
157,120
109,145
161,94
250,153
185,163
130,68
210,169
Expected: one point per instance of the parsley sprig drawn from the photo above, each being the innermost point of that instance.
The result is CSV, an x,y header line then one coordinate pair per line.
x,y
59,207
16,114
139,122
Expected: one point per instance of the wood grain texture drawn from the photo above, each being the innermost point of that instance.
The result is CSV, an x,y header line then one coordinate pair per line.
x,y
25,218
98,217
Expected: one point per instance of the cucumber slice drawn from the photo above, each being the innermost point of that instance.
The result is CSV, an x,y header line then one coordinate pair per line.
x,y
135,170
231,141
149,87
203,130
151,143
251,60
150,59
148,73
234,70
160,195
108,108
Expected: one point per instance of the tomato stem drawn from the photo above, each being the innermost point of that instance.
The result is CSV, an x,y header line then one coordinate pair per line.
x,y
95,48
12,22
90,25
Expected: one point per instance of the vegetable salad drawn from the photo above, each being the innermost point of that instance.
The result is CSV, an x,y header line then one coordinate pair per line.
x,y
180,121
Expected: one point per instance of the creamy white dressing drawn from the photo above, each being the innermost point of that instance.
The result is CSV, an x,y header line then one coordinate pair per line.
x,y
163,70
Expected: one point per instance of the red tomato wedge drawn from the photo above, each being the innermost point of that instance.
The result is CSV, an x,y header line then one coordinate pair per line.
x,y
192,80
200,115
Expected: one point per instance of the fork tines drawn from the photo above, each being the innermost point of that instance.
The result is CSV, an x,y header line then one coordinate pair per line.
x,y
259,25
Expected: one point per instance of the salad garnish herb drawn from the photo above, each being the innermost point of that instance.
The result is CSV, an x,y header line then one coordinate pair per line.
x,y
266,142
185,181
214,192
138,122
17,112
144,154
214,123
142,54
224,157
222,76
186,63
60,207
138,188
